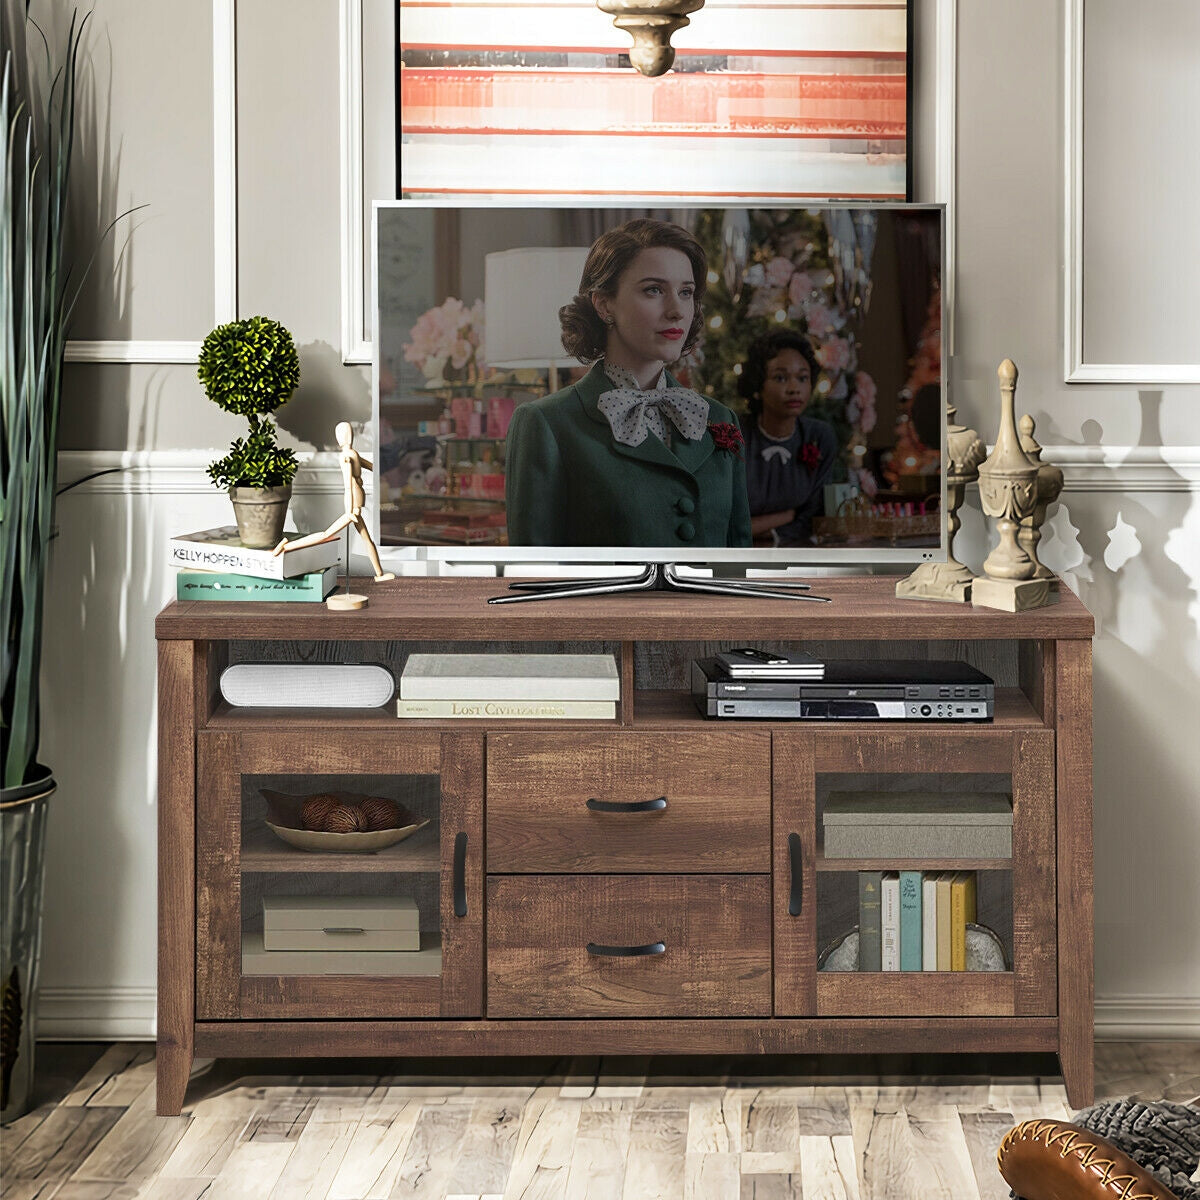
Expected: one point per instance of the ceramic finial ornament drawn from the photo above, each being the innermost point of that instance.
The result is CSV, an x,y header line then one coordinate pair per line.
x,y
950,580
1049,488
352,468
651,23
1008,481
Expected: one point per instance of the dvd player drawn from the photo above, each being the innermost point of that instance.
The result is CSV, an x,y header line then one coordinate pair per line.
x,y
851,690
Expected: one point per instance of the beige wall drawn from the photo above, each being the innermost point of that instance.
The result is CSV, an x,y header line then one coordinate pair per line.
x,y
1127,534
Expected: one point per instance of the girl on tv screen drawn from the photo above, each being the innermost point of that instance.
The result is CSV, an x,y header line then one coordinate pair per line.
x,y
626,456
789,457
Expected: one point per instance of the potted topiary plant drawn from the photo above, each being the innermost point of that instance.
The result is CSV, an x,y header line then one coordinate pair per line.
x,y
250,368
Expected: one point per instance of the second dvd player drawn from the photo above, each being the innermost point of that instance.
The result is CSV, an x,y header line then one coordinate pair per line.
x,y
851,690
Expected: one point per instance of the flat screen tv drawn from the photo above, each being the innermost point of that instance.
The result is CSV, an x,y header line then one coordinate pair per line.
x,y
749,386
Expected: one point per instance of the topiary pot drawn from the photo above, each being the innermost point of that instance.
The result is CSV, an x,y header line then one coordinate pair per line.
x,y
260,514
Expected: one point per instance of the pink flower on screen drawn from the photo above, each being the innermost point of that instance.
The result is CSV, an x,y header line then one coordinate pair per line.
x,y
819,320
864,385
800,287
864,397
779,271
865,480
834,355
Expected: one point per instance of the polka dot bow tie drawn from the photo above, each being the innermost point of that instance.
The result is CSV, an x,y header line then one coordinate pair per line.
x,y
632,412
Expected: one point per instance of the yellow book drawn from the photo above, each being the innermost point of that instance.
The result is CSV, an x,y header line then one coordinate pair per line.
x,y
962,912
943,920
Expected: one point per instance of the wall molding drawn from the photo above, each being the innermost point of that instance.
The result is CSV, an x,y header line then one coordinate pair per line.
x,y
356,348
946,163
135,472
180,472
225,199
1075,369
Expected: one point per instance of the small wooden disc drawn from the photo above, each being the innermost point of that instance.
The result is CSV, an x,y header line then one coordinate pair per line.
x,y
342,601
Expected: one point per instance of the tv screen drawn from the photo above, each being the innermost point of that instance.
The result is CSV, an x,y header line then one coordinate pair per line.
x,y
749,385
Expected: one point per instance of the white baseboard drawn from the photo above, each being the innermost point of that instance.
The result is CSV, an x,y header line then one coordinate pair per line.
x,y
127,1014
1147,1019
97,1014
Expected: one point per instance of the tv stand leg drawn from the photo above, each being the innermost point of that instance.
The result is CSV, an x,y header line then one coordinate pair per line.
x,y
173,1068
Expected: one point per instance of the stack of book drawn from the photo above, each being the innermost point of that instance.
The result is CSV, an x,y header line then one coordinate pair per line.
x,y
914,920
516,686
214,565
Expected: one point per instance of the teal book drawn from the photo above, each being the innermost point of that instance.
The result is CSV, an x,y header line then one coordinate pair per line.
x,y
910,920
870,918
217,585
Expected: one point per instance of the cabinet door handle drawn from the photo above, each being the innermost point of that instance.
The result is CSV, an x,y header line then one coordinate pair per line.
x,y
797,866
628,806
460,875
342,929
603,951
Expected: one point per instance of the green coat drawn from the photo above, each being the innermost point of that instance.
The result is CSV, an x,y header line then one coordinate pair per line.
x,y
570,483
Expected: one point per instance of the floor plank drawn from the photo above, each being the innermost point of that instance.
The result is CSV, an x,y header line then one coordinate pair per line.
x,y
851,1128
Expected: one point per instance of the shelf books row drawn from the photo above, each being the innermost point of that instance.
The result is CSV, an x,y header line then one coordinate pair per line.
x,y
915,920
519,686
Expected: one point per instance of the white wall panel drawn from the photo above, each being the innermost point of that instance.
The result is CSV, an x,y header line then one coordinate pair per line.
x,y
145,137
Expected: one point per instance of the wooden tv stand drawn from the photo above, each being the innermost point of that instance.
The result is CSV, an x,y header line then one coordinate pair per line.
x,y
730,877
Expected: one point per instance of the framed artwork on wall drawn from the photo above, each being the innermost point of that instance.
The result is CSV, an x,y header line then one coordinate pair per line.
x,y
774,100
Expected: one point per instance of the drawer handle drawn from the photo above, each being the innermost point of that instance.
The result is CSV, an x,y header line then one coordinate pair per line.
x,y
628,806
797,866
342,929
603,951
460,875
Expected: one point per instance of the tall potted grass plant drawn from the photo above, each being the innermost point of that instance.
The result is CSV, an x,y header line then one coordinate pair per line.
x,y
37,124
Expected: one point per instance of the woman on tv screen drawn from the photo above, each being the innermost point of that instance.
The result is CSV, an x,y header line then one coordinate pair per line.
x,y
626,456
789,457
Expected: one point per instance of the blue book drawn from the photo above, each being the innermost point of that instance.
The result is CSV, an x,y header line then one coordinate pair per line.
x,y
910,920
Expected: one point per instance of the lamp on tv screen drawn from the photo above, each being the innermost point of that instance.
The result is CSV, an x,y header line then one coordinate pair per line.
x,y
701,385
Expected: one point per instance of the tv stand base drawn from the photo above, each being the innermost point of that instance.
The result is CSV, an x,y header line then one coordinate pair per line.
x,y
654,577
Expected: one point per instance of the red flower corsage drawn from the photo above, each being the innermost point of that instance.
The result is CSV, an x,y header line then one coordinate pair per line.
x,y
727,437
810,455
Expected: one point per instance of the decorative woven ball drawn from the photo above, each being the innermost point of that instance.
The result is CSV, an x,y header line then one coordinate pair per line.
x,y
316,811
381,813
346,818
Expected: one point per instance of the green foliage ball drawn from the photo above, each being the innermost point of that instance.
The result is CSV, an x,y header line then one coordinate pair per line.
x,y
249,367
255,461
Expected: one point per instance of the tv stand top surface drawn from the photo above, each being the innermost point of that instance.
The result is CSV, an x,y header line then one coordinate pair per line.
x,y
456,609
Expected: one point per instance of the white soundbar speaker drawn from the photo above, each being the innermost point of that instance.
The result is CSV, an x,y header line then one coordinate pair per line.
x,y
307,685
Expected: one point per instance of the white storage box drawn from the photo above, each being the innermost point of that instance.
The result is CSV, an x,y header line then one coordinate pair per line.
x,y
347,923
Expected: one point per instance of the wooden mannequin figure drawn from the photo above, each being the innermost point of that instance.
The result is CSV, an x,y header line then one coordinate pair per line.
x,y
352,468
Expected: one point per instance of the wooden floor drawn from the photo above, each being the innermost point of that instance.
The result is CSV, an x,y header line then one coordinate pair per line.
x,y
767,1128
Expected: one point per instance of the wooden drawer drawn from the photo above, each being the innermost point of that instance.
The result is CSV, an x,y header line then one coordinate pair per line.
x,y
580,802
714,932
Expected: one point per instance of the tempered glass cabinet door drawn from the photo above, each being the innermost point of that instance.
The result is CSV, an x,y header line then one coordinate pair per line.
x,y
338,925
1006,961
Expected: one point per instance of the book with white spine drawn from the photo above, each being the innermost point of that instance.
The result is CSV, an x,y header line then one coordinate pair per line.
x,y
517,710
890,921
537,677
221,550
929,921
